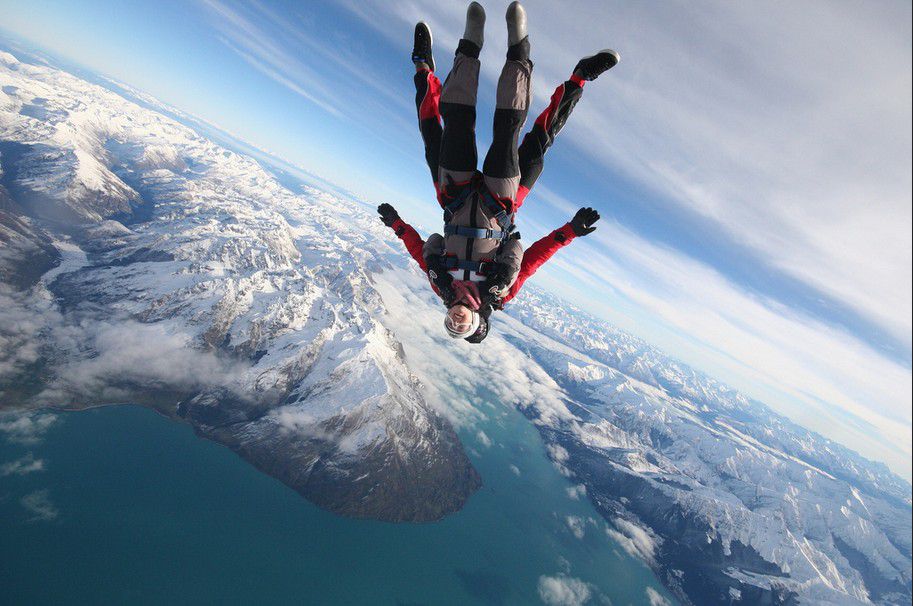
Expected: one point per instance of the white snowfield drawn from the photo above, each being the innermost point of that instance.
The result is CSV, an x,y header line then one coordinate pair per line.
x,y
250,304
291,326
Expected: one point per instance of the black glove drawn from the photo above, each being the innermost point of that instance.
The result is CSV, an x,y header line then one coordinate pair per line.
x,y
582,223
495,285
388,214
441,278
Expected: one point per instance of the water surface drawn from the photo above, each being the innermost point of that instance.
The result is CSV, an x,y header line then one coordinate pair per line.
x,y
130,506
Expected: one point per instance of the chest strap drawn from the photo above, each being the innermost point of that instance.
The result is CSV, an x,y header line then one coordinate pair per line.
x,y
475,232
479,267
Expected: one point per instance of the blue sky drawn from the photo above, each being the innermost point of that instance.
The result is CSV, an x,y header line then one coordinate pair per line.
x,y
751,162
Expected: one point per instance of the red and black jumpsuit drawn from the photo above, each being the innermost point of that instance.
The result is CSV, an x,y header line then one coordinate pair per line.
x,y
509,171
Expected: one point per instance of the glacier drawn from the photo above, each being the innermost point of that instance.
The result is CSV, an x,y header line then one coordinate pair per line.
x,y
142,261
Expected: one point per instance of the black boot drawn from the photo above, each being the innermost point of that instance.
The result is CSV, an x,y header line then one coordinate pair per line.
x,y
421,49
590,68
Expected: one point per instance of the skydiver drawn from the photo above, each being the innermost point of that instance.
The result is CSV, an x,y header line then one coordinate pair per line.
x,y
478,264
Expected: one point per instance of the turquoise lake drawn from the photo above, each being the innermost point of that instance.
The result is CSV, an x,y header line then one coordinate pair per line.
x,y
130,507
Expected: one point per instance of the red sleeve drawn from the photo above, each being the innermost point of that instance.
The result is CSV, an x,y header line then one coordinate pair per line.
x,y
539,253
412,240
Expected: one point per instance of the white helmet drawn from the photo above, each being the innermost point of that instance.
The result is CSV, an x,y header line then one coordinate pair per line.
x,y
463,329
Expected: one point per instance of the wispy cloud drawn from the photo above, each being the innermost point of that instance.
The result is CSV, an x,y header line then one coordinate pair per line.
x,y
576,492
636,541
92,356
23,317
21,466
286,81
791,360
265,53
284,48
563,590
115,355
26,428
39,507
798,156
775,144
576,525
656,598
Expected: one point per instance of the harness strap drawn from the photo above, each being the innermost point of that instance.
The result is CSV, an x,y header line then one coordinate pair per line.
x,y
505,220
453,263
492,205
453,207
475,232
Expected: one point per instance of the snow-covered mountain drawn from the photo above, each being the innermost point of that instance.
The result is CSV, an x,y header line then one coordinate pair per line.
x,y
143,262
724,496
218,296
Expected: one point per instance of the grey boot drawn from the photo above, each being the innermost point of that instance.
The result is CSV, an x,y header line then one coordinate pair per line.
x,y
475,24
516,23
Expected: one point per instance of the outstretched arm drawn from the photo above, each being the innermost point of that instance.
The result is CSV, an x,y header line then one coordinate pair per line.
x,y
404,232
428,260
543,249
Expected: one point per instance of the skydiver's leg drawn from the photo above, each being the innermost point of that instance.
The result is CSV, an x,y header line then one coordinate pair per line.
x,y
550,122
427,96
459,158
427,102
502,164
543,133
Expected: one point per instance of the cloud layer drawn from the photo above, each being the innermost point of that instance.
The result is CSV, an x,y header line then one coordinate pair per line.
x,y
821,375
795,155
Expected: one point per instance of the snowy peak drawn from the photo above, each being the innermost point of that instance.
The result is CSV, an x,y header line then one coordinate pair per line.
x,y
785,512
218,288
